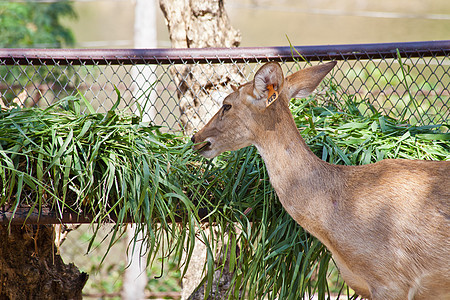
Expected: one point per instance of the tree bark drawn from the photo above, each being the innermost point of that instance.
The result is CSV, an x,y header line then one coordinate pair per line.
x,y
30,268
221,280
200,24
200,90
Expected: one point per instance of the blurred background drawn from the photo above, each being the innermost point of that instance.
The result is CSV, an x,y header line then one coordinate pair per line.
x,y
110,23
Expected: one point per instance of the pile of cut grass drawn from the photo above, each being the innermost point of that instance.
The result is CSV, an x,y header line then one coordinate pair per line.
x,y
112,165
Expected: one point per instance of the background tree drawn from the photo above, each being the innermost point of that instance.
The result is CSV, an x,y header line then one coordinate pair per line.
x,y
31,25
200,24
34,24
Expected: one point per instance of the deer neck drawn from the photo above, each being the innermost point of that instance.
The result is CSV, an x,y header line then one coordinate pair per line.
x,y
306,186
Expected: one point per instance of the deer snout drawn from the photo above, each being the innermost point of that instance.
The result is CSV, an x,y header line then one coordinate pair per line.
x,y
200,145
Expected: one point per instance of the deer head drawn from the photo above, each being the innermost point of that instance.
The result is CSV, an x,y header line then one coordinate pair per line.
x,y
256,107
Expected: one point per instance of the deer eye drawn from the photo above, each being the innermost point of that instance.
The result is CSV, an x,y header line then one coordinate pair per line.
x,y
226,107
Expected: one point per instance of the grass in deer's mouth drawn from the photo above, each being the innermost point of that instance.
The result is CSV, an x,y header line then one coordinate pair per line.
x,y
204,146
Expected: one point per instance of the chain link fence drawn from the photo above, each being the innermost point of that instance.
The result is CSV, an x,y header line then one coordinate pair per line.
x,y
409,81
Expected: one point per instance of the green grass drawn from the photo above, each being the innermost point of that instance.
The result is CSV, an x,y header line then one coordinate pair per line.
x,y
411,90
107,278
112,165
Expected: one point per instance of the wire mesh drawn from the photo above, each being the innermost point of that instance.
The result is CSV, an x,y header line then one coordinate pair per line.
x,y
404,80
408,81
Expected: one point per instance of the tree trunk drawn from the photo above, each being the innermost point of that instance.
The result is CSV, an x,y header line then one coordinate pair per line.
x,y
200,24
221,280
30,268
201,89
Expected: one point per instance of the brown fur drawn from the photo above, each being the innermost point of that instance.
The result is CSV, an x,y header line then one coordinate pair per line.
x,y
386,224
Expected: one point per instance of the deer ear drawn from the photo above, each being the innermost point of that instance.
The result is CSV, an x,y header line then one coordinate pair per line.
x,y
268,83
302,83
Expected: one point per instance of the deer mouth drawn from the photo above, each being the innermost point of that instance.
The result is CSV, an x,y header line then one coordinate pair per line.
x,y
205,146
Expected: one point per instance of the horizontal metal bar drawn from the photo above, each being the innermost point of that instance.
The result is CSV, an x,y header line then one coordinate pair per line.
x,y
46,216
23,216
218,55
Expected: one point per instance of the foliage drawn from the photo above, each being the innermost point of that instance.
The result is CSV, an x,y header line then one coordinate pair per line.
x,y
113,166
34,24
407,88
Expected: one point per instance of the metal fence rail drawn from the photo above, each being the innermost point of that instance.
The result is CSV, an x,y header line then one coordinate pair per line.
x,y
405,80
409,80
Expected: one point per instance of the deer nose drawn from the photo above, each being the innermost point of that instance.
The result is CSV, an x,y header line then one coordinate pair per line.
x,y
193,138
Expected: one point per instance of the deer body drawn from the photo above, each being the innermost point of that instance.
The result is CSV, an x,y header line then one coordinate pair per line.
x,y
386,224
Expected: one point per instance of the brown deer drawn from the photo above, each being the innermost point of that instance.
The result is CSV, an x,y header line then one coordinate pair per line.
x,y
386,224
